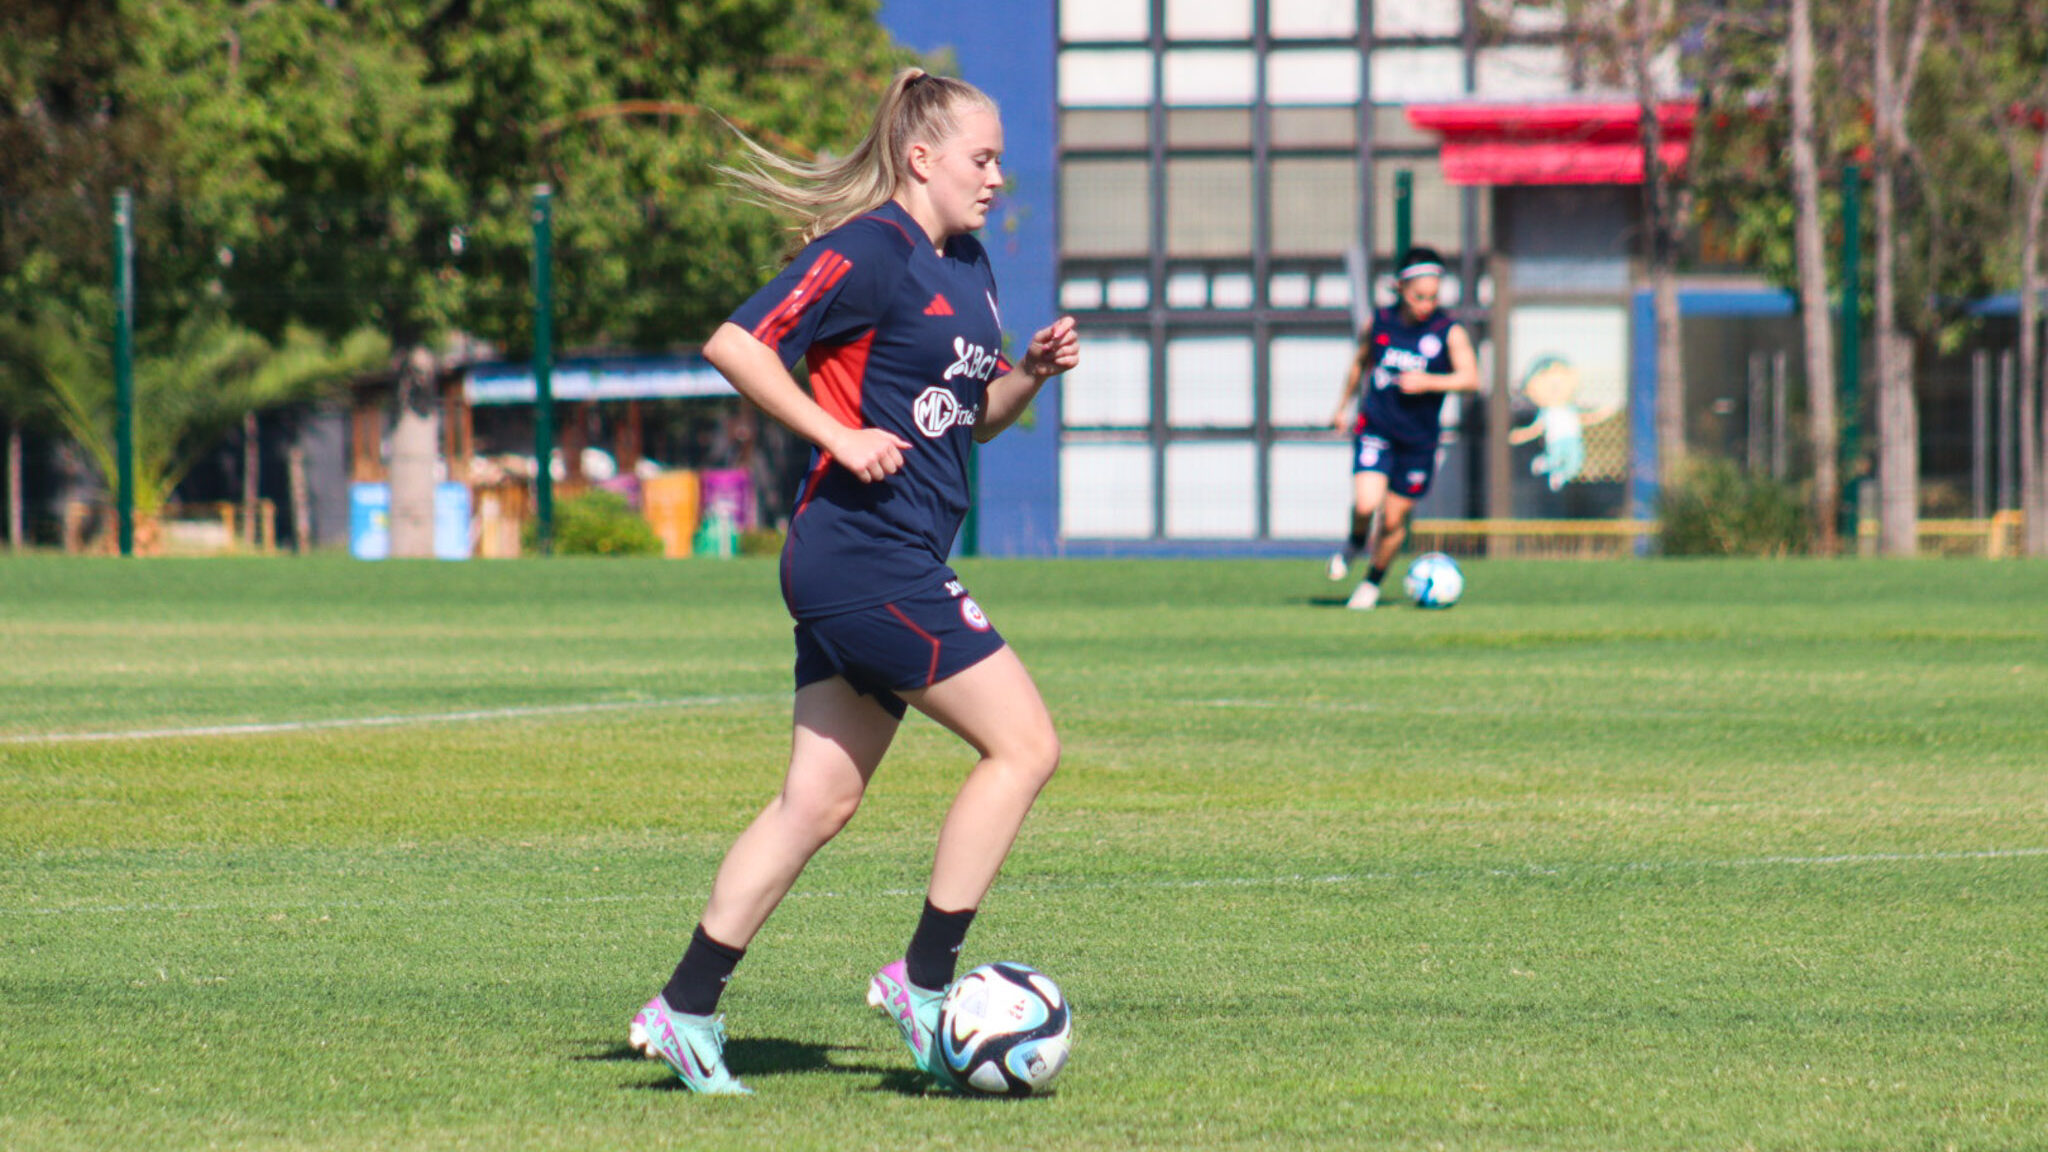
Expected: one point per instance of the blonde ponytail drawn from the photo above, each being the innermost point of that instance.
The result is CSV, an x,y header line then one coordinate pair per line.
x,y
818,197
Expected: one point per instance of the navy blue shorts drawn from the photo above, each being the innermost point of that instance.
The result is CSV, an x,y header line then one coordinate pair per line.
x,y
912,642
1408,469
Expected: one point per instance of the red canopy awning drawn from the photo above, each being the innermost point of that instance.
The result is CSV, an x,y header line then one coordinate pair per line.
x,y
1562,143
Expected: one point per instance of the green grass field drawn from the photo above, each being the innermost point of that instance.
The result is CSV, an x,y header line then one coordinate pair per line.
x,y
1615,856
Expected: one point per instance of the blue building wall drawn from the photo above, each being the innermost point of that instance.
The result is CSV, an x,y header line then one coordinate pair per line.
x,y
1008,51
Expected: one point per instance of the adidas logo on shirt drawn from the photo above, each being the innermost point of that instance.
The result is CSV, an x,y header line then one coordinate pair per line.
x,y
938,307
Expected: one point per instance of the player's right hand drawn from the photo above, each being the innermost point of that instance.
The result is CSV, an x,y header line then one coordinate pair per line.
x,y
870,453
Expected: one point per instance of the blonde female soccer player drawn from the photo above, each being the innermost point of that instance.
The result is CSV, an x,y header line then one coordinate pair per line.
x,y
892,304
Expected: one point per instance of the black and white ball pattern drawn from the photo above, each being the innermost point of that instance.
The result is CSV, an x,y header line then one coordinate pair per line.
x,y
1005,1029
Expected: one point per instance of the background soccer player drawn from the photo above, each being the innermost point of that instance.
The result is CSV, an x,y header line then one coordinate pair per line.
x,y
893,305
1413,354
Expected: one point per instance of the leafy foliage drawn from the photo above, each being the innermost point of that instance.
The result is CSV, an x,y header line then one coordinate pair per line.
x,y
67,140
376,164
198,381
597,522
1952,202
1720,509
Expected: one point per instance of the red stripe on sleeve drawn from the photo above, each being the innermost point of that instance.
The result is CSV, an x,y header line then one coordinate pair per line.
x,y
826,271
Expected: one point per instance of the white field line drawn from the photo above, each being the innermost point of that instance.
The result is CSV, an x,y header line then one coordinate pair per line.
x,y
1153,885
346,722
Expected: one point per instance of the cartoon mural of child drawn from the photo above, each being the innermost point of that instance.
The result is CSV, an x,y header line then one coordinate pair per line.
x,y
1552,384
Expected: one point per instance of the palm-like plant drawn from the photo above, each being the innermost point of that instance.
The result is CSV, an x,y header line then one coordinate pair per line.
x,y
23,405
204,377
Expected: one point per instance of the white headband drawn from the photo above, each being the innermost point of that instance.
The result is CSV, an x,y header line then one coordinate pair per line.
x,y
1426,268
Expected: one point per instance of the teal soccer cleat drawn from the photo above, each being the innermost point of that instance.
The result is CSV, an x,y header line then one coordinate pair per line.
x,y
692,1046
916,1013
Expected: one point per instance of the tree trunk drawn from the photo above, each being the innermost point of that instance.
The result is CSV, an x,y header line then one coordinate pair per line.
x,y
15,502
1811,257
1898,420
2033,420
1898,430
252,451
1659,249
302,499
414,452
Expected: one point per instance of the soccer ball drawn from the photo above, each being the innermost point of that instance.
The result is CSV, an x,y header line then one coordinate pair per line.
x,y
1004,1029
1434,581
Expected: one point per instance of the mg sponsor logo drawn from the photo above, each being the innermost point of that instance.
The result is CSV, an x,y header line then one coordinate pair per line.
x,y
936,410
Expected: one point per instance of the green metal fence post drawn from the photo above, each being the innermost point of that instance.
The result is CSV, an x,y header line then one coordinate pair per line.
x,y
543,366
124,366
1404,213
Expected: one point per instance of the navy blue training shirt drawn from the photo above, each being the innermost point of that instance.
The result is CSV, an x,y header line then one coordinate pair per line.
x,y
1396,347
900,337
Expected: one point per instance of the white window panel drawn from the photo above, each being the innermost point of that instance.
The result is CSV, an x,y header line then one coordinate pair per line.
x,y
1315,205
1290,290
1307,375
1209,206
1109,78
1416,17
1111,387
1105,491
1208,19
1211,490
1209,382
1081,295
1106,207
1312,19
1127,292
1187,290
1526,18
1308,490
1313,76
1231,290
1411,75
1199,76
1105,19
1522,71
1333,290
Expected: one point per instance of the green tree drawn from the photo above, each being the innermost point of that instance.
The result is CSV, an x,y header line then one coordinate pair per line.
x,y
1946,225
199,381
23,405
67,141
2000,47
374,163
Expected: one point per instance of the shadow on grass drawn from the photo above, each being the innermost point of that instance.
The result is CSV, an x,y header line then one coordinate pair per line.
x,y
767,1056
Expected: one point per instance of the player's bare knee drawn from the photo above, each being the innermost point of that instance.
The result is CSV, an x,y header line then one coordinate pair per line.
x,y
819,817
1040,757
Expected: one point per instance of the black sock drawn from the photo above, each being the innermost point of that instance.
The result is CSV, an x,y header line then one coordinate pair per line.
x,y
1375,574
935,947
700,979
1354,545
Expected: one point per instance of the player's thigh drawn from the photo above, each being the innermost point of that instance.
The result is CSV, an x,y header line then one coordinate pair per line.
x,y
994,705
1396,509
837,739
1367,490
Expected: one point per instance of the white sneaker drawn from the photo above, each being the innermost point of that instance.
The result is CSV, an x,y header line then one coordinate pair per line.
x,y
1339,567
1364,597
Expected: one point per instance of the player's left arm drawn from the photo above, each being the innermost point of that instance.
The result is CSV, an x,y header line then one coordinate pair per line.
x,y
1052,350
1464,373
